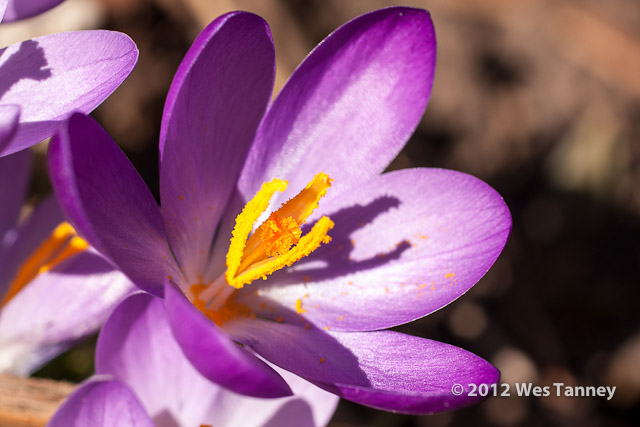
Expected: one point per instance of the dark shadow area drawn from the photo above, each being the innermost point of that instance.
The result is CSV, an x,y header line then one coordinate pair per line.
x,y
336,256
298,410
75,365
29,62
165,419
83,264
338,365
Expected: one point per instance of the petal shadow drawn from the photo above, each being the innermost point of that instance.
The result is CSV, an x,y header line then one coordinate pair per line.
x,y
335,259
28,62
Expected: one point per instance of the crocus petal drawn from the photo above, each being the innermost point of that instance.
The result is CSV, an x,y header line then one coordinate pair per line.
x,y
233,367
109,203
386,370
22,241
404,245
9,118
352,104
54,75
213,108
3,8
137,347
56,309
15,172
21,9
294,411
101,403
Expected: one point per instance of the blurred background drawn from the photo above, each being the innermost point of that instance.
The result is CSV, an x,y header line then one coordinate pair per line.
x,y
539,98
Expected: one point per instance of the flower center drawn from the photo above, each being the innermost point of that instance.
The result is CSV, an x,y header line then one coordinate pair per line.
x,y
276,243
62,243
270,247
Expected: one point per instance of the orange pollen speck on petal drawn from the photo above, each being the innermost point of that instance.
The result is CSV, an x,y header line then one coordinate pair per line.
x,y
277,242
62,243
299,308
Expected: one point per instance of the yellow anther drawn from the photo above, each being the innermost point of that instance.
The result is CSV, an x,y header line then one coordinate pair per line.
x,y
277,242
299,208
75,245
64,230
245,221
63,242
303,205
307,244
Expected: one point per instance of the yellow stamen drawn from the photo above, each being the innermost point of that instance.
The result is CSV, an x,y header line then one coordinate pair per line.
x,y
75,245
245,221
63,242
298,208
277,242
307,244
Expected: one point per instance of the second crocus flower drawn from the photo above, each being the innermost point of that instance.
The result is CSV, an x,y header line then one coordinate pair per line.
x,y
54,290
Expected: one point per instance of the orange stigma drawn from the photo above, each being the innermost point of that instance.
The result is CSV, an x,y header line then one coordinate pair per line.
x,y
277,242
62,243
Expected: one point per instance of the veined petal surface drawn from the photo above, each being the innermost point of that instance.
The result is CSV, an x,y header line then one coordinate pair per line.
x,y
404,245
136,346
9,119
22,9
55,75
233,367
384,369
350,106
57,309
213,108
108,202
3,8
101,402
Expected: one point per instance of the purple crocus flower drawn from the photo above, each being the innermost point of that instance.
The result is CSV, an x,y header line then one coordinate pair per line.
x,y
53,289
375,251
143,379
44,79
22,9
